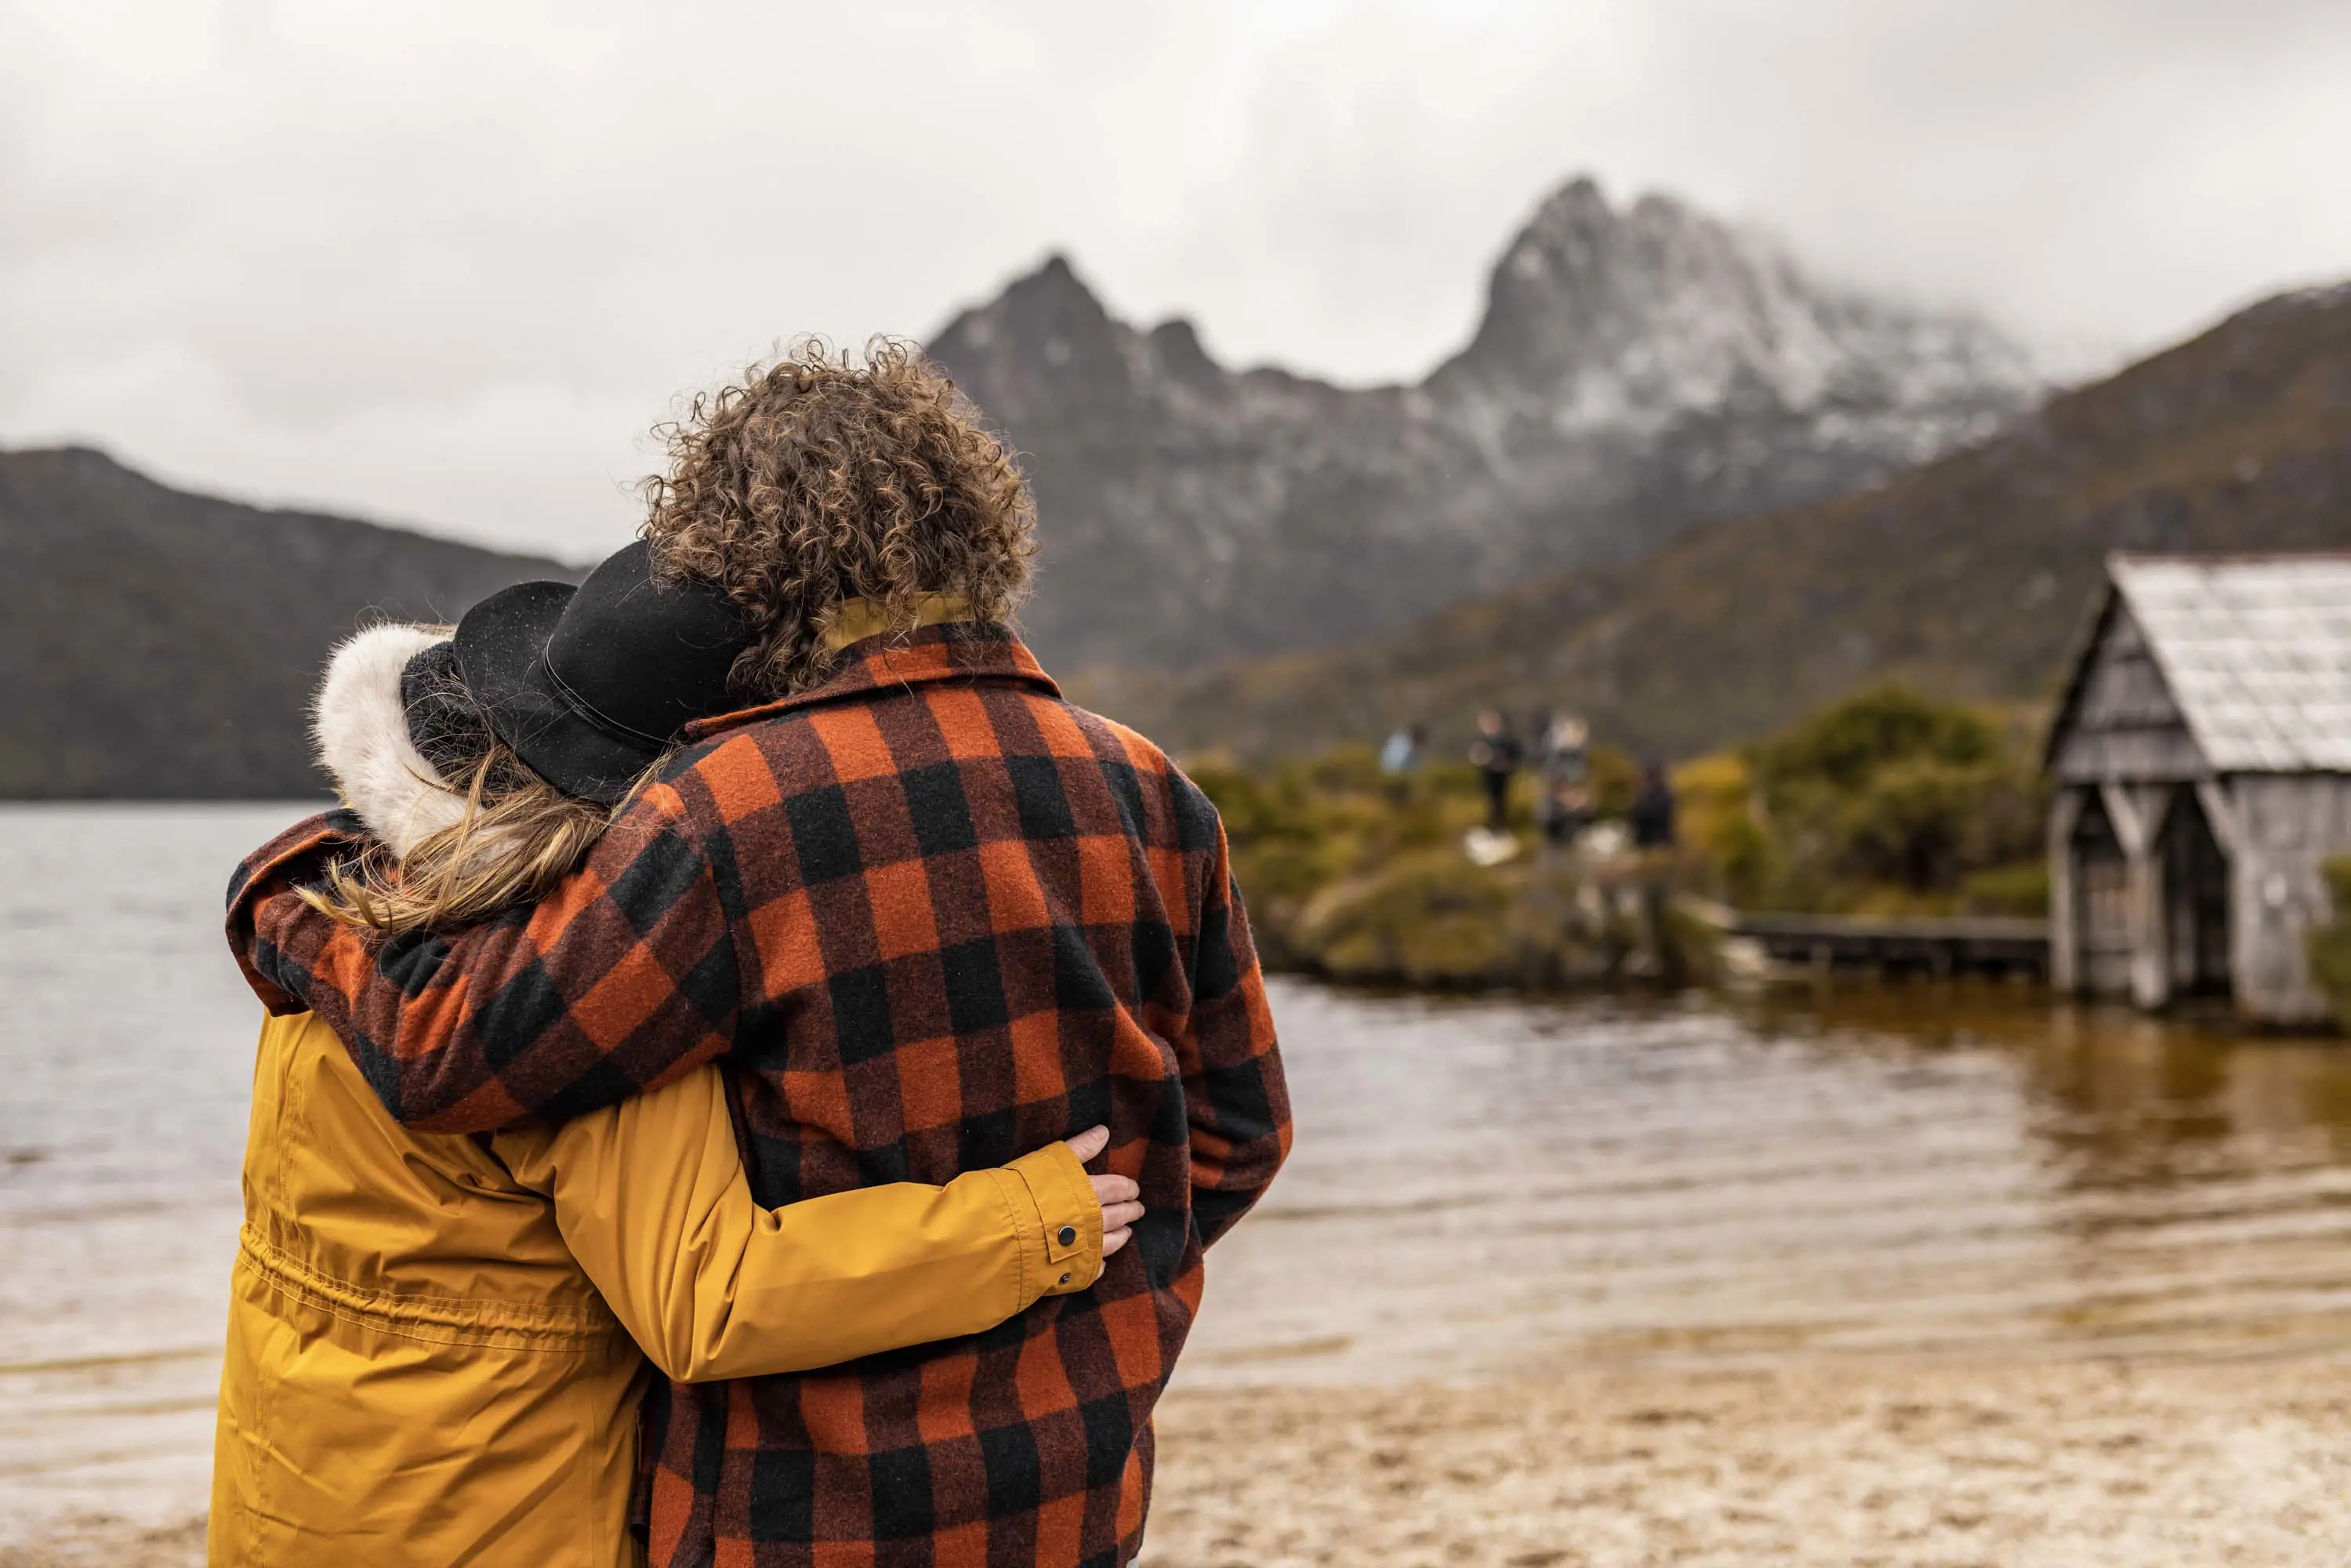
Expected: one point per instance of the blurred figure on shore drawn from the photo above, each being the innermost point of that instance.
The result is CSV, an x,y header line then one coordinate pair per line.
x,y
1496,755
1652,816
1563,760
1408,744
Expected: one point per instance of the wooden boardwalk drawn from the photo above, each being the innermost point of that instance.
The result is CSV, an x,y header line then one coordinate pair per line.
x,y
1925,946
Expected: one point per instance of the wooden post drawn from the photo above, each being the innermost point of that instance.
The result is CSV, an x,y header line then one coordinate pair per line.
x,y
2064,938
2137,815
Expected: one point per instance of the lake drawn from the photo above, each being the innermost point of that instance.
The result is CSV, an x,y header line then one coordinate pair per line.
x,y
1480,1188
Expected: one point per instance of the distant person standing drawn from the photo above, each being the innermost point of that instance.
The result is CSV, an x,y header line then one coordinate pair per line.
x,y
1406,746
1563,761
1652,816
1496,755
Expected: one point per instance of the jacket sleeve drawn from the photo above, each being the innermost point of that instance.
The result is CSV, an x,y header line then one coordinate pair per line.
x,y
651,1197
622,978
1236,1100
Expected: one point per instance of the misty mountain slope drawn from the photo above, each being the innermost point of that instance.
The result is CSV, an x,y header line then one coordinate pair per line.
x,y
1968,576
155,644
1702,364
1635,371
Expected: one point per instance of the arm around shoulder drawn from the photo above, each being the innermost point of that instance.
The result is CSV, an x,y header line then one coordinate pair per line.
x,y
623,977
653,1198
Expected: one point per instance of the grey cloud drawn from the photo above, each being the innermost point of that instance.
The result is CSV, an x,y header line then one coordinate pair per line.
x,y
446,262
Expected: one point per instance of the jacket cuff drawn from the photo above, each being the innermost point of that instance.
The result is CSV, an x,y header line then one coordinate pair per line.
x,y
293,856
1061,1224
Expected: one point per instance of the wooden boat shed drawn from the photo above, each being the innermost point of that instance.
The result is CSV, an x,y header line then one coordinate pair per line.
x,y
2202,758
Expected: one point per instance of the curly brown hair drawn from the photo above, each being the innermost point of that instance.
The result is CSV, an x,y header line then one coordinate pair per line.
x,y
814,481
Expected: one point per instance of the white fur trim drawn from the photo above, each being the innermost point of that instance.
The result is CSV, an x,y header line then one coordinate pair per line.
x,y
359,725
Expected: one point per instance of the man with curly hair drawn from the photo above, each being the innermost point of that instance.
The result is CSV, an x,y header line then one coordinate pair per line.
x,y
931,915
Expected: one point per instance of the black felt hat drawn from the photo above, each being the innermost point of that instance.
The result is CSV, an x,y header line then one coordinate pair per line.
x,y
590,685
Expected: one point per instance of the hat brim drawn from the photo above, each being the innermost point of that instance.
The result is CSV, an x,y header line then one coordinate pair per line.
x,y
501,645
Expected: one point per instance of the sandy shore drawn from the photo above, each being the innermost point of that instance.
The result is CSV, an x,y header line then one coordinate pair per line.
x,y
2105,1466
97,1541
1845,1464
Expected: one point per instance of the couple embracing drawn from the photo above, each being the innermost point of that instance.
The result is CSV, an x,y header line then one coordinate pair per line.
x,y
751,1071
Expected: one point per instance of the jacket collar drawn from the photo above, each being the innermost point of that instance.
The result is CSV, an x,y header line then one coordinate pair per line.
x,y
857,619
949,651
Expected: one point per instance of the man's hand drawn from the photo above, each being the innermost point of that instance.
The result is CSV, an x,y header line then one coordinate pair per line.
x,y
1117,1194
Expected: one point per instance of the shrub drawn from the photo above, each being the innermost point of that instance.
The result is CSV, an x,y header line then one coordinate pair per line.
x,y
1716,799
1845,746
1614,777
1886,800
1922,824
2021,890
2330,945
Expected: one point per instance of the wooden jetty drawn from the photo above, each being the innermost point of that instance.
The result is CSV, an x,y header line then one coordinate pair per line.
x,y
1922,946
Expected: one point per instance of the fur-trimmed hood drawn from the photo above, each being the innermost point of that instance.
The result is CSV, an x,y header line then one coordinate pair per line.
x,y
358,724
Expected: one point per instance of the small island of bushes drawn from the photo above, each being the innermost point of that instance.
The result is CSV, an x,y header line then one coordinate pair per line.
x,y
1888,803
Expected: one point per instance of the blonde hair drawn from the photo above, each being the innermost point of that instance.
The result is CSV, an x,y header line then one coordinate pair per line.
x,y
518,837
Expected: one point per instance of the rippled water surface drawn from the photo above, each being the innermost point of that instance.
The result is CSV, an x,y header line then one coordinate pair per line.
x,y
1478,1187
1486,1185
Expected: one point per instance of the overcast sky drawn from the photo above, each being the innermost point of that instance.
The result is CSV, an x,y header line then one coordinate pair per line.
x,y
443,264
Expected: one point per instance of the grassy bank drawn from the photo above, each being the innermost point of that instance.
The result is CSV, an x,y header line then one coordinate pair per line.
x,y
1885,803
1362,877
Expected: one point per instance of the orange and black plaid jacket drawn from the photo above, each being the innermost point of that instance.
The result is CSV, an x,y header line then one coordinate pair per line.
x,y
934,917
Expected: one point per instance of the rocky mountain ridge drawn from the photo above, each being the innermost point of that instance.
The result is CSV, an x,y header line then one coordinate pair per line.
x,y
1636,370
1967,577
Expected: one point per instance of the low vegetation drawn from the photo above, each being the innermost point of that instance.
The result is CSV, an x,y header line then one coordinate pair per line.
x,y
1362,877
2330,945
1885,803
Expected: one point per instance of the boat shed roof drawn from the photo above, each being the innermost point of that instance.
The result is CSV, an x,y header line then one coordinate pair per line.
x,y
2256,651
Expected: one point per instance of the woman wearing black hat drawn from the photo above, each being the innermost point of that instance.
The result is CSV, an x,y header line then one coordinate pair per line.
x,y
429,1351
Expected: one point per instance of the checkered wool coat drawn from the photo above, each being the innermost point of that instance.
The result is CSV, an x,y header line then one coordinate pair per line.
x,y
934,918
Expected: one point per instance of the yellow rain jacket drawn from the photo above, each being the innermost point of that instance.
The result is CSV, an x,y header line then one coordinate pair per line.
x,y
434,1344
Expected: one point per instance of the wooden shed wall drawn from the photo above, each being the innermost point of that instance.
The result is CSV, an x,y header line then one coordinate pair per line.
x,y
2287,825
2124,724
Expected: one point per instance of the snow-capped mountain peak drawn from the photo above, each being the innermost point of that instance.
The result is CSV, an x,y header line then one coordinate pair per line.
x,y
1625,321
1638,370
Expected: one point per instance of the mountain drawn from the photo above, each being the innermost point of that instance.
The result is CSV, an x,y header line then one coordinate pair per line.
x,y
1187,511
1636,370
1695,368
1967,576
158,644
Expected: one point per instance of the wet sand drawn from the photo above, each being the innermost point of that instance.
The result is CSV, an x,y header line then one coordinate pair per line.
x,y
102,1541
1907,1276
2067,1463
2103,1466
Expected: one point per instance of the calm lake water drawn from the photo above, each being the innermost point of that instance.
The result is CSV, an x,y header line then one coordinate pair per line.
x,y
1478,1188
